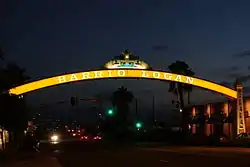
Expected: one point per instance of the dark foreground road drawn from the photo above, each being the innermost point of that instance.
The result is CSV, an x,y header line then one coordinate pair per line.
x,y
91,155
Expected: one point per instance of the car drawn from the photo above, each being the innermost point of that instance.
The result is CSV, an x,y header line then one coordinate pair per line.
x,y
91,137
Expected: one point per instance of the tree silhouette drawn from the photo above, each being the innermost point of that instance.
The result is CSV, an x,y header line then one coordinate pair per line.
x,y
1,53
13,113
121,99
180,67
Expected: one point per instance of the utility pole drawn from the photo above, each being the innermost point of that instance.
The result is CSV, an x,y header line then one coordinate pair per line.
x,y
153,110
100,106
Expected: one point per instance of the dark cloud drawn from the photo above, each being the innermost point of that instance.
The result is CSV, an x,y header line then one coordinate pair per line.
x,y
234,68
242,54
244,78
234,75
248,67
160,48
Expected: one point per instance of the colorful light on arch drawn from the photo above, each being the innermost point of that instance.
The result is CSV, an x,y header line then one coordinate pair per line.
x,y
126,64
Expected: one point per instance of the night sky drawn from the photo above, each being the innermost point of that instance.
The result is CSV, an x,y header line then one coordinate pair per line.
x,y
50,37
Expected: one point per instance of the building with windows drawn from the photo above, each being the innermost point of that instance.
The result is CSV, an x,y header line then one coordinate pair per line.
x,y
4,138
217,118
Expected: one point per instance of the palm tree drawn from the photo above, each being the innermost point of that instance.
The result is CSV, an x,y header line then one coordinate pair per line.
x,y
187,87
121,100
15,75
180,67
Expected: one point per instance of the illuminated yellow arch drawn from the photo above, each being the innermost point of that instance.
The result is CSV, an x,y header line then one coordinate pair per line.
x,y
122,73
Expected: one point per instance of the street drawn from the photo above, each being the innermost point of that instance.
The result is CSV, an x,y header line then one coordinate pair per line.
x,y
79,154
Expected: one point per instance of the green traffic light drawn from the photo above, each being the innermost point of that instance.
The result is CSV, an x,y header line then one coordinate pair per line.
x,y
110,112
138,125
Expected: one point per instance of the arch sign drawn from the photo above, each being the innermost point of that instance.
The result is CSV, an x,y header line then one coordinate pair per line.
x,y
136,69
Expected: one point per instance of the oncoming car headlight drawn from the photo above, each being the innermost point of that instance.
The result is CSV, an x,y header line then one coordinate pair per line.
x,y
54,138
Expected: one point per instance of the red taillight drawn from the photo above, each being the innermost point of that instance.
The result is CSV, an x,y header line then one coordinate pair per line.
x,y
79,131
84,137
97,137
73,134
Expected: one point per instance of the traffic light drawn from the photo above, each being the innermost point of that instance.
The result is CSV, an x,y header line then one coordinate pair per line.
x,y
110,112
73,101
138,125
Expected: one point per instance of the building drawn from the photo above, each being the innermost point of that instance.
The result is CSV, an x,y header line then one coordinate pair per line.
x,y
4,138
217,118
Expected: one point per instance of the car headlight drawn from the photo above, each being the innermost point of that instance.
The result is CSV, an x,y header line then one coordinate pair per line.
x,y
54,138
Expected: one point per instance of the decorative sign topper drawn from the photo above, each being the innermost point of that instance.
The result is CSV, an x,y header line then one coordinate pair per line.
x,y
126,61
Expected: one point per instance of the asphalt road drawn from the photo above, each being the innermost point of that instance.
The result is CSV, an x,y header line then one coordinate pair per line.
x,y
97,154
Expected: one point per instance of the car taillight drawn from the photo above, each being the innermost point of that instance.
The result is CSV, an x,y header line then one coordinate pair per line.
x,y
73,134
97,137
84,137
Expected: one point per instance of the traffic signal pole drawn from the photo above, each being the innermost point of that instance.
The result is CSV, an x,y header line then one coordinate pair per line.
x,y
136,109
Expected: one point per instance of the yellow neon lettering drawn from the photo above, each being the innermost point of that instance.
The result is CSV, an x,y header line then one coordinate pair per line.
x,y
189,80
109,73
156,75
61,79
86,75
167,76
144,74
121,73
73,77
178,78
98,74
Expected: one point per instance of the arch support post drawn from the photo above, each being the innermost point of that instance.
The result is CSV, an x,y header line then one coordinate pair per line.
x,y
240,126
